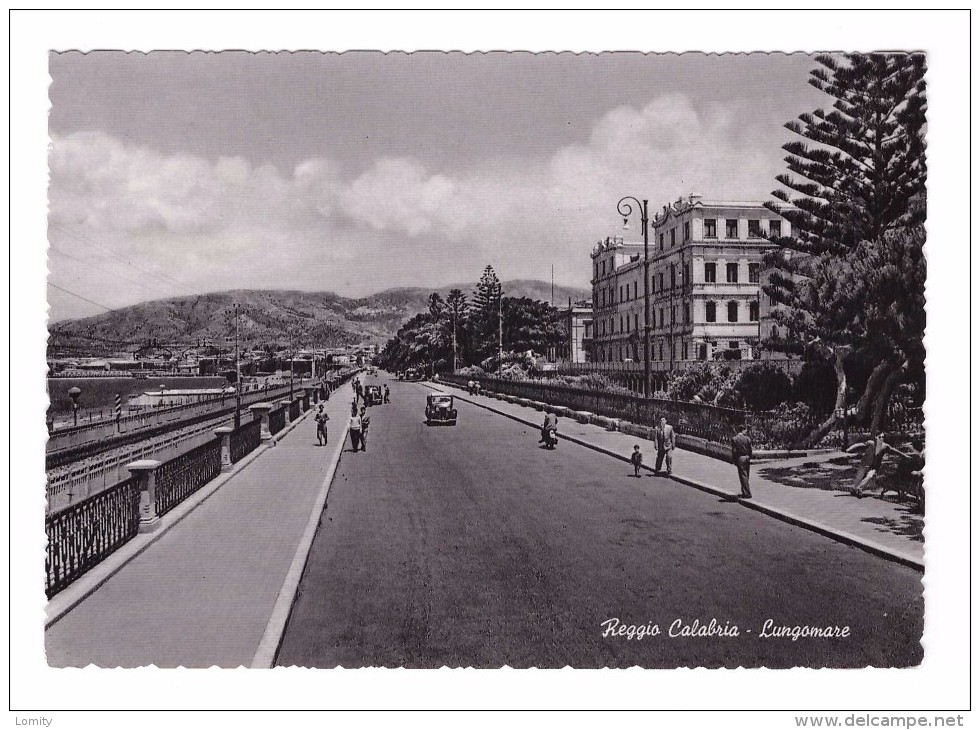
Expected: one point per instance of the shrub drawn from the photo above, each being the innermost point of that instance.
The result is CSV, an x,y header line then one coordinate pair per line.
x,y
763,387
783,427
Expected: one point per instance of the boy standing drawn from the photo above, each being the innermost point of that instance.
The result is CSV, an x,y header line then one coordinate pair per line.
x,y
636,458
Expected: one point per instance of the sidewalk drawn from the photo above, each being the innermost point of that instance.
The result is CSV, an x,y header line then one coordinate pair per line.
x,y
205,592
807,491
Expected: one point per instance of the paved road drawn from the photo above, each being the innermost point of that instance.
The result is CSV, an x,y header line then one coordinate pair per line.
x,y
471,546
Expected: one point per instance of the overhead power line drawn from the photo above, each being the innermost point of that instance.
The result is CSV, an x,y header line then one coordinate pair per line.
x,y
119,257
79,296
111,273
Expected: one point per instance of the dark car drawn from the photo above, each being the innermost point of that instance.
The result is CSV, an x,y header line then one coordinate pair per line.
x,y
439,409
414,374
372,395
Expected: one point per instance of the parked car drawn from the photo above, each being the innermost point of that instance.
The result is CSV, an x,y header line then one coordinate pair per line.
x,y
414,374
372,395
439,408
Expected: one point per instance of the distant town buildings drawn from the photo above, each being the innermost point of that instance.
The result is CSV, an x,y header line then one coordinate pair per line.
x,y
705,272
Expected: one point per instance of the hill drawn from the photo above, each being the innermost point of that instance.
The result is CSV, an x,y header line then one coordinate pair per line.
x,y
284,318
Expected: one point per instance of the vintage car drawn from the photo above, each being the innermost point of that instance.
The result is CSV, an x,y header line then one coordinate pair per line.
x,y
414,374
372,395
439,409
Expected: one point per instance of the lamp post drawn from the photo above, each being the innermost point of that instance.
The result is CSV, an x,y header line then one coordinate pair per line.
x,y
73,393
626,209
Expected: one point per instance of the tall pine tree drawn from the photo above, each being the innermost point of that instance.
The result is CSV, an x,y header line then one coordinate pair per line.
x,y
861,184
484,314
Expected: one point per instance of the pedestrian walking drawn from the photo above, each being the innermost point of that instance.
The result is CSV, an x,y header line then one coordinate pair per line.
x,y
365,424
387,398
636,458
355,431
664,436
742,456
321,425
353,407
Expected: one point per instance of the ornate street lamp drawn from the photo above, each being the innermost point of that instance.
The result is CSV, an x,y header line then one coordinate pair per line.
x,y
626,209
73,393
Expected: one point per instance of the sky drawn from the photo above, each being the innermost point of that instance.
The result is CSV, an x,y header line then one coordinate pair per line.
x,y
178,173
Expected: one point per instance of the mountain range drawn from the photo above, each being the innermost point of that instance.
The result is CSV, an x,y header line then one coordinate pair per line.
x,y
287,318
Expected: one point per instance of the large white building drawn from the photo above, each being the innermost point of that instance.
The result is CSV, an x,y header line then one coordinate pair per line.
x,y
705,269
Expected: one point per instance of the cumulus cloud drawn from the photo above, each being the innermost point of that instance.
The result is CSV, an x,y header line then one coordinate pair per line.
x,y
218,224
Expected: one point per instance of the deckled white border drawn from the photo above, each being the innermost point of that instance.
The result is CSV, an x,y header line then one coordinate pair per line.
x,y
939,684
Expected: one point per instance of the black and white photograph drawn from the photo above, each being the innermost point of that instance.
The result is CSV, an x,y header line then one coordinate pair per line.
x,y
517,359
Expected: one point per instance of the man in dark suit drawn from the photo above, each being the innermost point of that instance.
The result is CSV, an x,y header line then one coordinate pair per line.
x,y
742,457
664,436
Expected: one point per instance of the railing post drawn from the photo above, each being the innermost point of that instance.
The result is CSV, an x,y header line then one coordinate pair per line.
x,y
144,471
287,403
261,411
224,433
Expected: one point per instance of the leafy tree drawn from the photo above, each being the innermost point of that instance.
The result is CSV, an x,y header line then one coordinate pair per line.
x,y
530,325
861,185
763,387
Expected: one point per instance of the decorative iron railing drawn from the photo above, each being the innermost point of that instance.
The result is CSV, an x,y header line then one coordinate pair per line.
x,y
183,475
693,419
82,535
277,420
244,440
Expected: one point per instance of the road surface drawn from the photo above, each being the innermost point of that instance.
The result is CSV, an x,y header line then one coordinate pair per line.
x,y
472,546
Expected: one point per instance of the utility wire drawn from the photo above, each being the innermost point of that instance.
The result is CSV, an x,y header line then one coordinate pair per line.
x,y
79,296
116,255
142,284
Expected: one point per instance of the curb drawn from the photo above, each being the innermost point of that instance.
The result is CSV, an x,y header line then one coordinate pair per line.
x,y
817,527
268,648
65,601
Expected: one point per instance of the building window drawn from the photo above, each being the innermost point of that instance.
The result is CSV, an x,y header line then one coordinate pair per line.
x,y
732,272
687,315
661,241
661,349
673,236
653,284
621,293
661,275
710,229
687,275
661,316
702,352
709,273
755,229
754,272
620,324
687,231
673,277
603,328
634,290
731,228
709,312
733,344
754,311
733,311
775,229
620,354
603,297
603,268
636,322
673,315
627,323
685,351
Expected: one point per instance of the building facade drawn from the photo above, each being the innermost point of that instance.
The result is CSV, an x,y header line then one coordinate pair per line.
x,y
705,262
577,327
